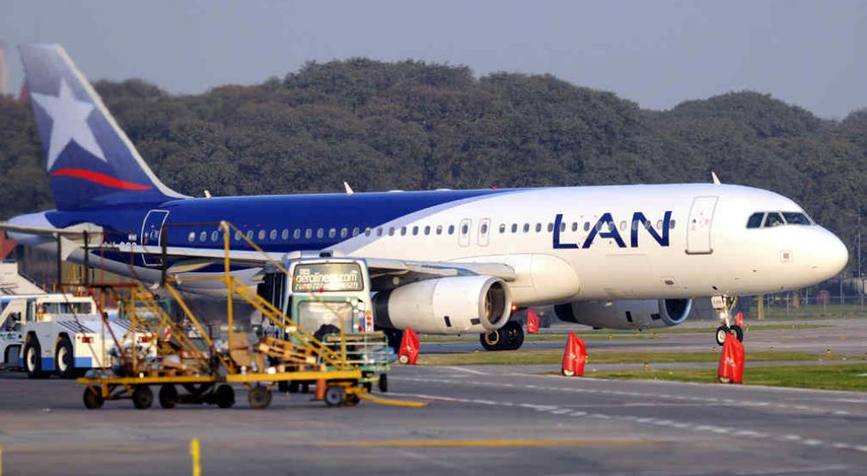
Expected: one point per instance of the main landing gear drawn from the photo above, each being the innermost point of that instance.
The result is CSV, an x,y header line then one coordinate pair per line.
x,y
508,337
723,306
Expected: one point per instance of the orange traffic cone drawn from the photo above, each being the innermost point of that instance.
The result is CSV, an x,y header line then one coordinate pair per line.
x,y
409,347
739,319
731,362
532,322
574,356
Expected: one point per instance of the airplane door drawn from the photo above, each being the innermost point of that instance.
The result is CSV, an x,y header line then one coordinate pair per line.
x,y
484,231
699,226
464,232
151,235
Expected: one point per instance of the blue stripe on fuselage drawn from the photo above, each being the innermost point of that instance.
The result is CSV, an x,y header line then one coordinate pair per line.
x,y
270,212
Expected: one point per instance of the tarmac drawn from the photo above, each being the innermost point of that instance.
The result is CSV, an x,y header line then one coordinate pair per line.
x,y
480,420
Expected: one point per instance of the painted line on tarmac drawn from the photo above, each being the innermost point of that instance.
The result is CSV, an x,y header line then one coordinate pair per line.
x,y
491,443
469,371
732,402
789,439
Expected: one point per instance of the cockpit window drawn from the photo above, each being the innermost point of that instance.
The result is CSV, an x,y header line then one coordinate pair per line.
x,y
797,218
774,219
755,220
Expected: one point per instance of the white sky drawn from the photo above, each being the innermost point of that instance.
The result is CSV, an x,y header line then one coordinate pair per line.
x,y
657,53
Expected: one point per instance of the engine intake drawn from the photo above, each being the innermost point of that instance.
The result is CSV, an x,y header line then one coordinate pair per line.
x,y
626,314
451,305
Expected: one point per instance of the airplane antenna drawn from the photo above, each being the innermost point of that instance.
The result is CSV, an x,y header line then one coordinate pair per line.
x,y
715,178
207,194
348,188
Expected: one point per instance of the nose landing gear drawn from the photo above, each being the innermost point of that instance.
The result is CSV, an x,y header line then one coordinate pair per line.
x,y
723,306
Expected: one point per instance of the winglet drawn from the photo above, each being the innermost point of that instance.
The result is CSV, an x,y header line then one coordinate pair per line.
x,y
348,188
715,178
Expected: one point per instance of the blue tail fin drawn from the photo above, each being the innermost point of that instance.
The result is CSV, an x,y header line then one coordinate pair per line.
x,y
91,162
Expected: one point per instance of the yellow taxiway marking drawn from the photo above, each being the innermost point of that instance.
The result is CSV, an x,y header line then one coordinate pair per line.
x,y
504,443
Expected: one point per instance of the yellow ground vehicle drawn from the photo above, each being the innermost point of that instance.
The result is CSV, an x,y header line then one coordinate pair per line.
x,y
206,368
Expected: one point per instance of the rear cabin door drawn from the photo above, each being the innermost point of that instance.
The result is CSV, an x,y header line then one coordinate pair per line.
x,y
699,226
152,236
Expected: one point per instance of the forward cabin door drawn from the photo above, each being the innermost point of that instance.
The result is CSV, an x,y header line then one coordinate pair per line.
x,y
152,236
699,226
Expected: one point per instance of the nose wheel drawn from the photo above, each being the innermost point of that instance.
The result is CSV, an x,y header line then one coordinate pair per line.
x,y
723,306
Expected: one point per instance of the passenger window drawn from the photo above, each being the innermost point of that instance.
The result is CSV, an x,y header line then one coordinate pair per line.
x,y
261,235
367,232
308,233
796,218
484,228
514,227
586,226
344,232
439,229
415,230
538,227
427,230
526,227
237,236
451,229
250,235
273,234
391,231
320,232
402,231
465,229
774,219
755,220
203,236
356,231
379,231
622,225
296,233
191,237
574,226
284,234
550,227
502,228
671,224
215,235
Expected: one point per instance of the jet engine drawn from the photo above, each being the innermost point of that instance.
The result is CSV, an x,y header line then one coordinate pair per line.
x,y
626,314
453,305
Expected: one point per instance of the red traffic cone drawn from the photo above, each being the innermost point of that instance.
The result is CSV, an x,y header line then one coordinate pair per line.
x,y
532,322
739,319
731,362
574,356
409,347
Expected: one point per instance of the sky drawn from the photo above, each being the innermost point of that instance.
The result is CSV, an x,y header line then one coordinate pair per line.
x,y
656,53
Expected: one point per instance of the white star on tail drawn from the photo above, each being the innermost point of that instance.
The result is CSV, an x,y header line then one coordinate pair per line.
x,y
69,123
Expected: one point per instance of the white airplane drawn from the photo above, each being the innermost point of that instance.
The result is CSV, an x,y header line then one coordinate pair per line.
x,y
448,262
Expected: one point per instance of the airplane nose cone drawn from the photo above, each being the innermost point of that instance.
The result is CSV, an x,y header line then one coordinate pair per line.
x,y
832,255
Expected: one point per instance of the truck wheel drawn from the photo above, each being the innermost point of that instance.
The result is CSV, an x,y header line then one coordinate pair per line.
x,y
93,398
334,395
33,359
259,397
142,397
351,400
64,358
224,396
383,383
168,396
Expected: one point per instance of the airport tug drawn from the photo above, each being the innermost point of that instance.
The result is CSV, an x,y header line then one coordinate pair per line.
x,y
328,341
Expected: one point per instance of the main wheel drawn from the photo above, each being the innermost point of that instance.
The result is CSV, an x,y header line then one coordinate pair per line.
x,y
92,398
721,333
491,340
383,383
65,358
738,332
351,400
168,396
33,359
259,397
224,396
334,396
142,397
514,334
